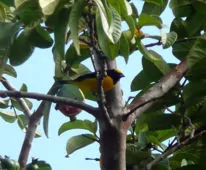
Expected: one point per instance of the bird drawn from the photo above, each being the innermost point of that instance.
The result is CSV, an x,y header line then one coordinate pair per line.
x,y
89,81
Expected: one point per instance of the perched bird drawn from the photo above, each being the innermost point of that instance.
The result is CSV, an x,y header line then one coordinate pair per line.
x,y
89,82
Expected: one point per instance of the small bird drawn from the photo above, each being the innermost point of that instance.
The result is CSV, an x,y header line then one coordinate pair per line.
x,y
89,82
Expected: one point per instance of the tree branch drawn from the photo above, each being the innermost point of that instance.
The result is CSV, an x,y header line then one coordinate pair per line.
x,y
144,102
21,101
174,148
55,99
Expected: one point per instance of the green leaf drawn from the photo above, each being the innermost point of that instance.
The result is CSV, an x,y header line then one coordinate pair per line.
x,y
164,121
74,18
40,38
135,156
9,70
148,20
78,124
20,50
73,58
8,2
181,8
71,91
16,104
195,24
124,47
197,52
48,7
109,49
191,167
8,32
60,31
28,12
199,6
22,122
46,109
180,27
79,141
169,39
24,88
154,7
181,49
4,103
110,21
9,117
140,81
194,90
142,140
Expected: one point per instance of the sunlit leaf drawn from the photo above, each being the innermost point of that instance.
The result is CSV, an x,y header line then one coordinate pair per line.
x,y
48,6
79,141
9,70
78,124
113,28
169,39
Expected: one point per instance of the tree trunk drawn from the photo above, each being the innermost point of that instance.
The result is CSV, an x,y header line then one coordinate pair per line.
x,y
113,147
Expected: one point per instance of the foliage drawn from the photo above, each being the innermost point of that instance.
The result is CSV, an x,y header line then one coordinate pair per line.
x,y
177,117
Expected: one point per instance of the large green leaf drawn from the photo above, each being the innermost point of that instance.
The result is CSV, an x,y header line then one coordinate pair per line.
x,y
154,7
180,27
148,20
181,49
40,38
162,122
78,124
76,13
181,8
140,81
197,53
21,49
28,12
195,24
79,141
200,6
8,33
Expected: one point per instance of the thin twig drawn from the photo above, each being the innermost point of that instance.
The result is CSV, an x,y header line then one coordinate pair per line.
x,y
174,148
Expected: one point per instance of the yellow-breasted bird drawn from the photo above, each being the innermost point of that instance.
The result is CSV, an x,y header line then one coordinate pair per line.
x,y
89,83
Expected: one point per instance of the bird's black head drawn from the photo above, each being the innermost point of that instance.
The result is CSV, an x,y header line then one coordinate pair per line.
x,y
115,74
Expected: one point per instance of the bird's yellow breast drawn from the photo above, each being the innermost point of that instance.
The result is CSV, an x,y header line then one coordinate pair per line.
x,y
91,84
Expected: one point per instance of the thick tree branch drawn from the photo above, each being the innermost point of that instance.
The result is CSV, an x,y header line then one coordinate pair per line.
x,y
144,102
21,101
55,99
